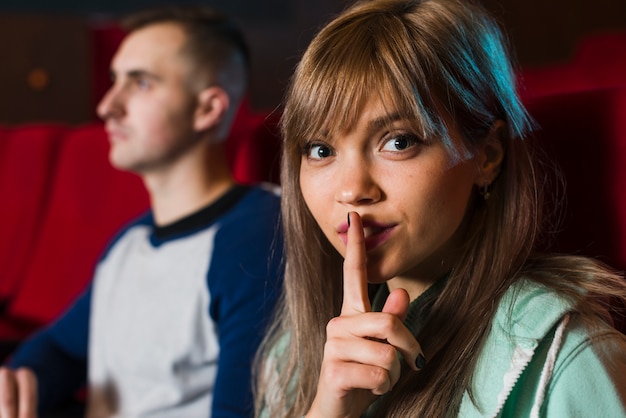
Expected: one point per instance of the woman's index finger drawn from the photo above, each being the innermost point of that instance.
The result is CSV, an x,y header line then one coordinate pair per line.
x,y
355,297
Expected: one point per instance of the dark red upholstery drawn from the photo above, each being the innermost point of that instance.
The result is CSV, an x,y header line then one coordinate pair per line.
x,y
599,61
89,201
253,148
106,38
602,59
27,168
585,133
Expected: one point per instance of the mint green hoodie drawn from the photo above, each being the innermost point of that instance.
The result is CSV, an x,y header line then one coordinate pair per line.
x,y
539,361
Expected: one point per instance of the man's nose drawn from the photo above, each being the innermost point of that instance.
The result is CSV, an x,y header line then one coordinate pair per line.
x,y
111,103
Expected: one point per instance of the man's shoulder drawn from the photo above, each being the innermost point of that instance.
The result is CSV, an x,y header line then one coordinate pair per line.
x,y
263,192
261,201
144,220
254,223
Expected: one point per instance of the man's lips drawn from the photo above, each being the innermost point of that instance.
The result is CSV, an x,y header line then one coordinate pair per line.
x,y
375,233
115,132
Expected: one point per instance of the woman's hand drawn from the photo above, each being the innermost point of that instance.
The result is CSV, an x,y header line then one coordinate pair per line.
x,y
361,352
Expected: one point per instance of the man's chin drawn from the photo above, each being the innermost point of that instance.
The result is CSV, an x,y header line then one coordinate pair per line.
x,y
122,165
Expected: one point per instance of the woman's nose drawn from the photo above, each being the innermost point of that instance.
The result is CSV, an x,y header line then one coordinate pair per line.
x,y
356,184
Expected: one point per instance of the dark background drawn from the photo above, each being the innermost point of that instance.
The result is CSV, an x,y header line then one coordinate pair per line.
x,y
47,53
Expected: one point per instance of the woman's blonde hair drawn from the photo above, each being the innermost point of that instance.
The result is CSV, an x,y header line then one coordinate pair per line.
x,y
434,59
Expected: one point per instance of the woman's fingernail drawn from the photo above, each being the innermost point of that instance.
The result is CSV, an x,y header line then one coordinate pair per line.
x,y
420,361
348,219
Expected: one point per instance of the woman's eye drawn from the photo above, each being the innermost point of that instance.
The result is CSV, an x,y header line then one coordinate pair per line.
x,y
318,151
400,142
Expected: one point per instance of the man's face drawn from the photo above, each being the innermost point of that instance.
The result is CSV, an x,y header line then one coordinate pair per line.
x,y
149,110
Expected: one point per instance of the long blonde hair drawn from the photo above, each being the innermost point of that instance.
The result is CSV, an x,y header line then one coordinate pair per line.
x,y
433,57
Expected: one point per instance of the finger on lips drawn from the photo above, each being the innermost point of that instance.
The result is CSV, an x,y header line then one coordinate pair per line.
x,y
381,329
355,296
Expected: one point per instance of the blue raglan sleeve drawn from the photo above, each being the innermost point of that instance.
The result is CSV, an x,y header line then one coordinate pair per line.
x,y
58,355
244,281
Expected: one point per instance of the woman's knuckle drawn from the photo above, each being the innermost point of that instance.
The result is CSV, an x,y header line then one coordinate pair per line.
x,y
379,377
387,354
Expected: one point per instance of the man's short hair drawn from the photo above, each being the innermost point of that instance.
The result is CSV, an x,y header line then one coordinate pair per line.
x,y
212,36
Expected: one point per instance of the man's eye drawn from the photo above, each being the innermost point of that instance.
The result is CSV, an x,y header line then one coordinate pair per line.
x,y
143,84
318,151
400,142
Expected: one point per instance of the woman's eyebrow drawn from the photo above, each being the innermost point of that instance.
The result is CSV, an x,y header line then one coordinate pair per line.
x,y
385,120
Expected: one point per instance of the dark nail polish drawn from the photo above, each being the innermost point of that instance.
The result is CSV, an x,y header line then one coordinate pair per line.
x,y
348,219
420,361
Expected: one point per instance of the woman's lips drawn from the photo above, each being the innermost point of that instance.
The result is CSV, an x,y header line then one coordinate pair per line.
x,y
375,233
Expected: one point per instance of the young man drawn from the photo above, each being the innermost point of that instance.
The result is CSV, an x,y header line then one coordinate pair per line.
x,y
179,301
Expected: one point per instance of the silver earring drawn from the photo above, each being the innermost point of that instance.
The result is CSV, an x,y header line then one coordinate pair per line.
x,y
484,191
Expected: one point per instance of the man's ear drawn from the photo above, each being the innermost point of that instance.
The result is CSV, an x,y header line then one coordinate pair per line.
x,y
213,104
491,154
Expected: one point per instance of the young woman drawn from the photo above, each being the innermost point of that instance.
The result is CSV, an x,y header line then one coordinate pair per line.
x,y
411,211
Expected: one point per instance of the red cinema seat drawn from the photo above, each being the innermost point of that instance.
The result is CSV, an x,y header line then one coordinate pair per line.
x,y
253,147
105,39
599,61
549,80
90,201
28,157
585,133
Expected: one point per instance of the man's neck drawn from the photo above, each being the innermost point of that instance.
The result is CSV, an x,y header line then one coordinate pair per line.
x,y
191,183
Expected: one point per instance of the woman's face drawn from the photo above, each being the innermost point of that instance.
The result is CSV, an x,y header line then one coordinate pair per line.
x,y
411,195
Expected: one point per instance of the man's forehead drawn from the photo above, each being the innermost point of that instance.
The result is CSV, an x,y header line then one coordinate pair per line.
x,y
150,47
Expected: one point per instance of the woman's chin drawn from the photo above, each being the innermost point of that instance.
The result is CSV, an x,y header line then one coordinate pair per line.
x,y
377,277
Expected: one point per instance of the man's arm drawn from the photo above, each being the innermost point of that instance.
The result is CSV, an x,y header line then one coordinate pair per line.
x,y
58,355
244,284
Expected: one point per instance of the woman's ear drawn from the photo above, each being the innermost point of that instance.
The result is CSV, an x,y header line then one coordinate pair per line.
x,y
491,154
213,104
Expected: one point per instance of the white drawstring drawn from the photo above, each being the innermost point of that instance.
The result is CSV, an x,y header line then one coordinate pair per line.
x,y
548,367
